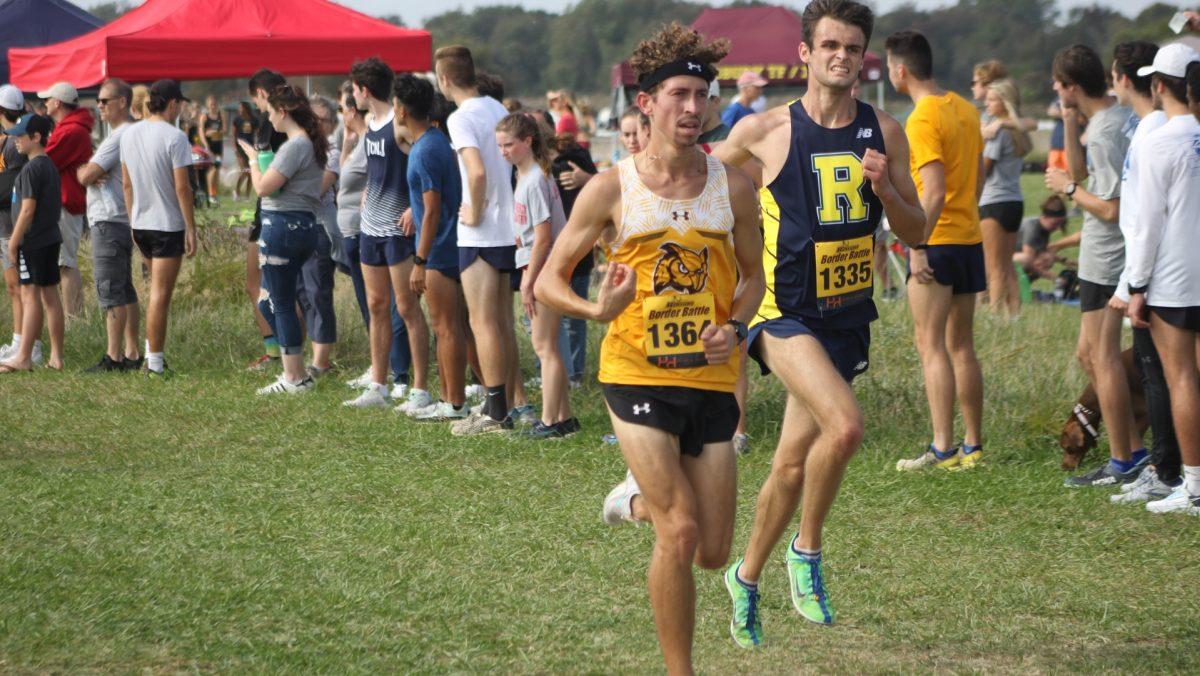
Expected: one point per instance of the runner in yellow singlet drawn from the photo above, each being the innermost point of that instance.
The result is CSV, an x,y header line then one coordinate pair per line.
x,y
684,277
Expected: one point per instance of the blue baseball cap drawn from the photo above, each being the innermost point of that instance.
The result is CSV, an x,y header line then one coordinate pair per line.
x,y
32,124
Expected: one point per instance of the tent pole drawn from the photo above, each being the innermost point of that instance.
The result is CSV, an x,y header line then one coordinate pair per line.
x,y
879,93
308,85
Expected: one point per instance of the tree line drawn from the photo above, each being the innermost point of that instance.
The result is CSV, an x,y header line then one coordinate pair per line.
x,y
535,50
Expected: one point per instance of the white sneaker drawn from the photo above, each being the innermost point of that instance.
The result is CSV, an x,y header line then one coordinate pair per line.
x,y
37,352
1145,488
476,392
438,411
6,351
618,505
399,390
362,382
1177,502
417,399
534,383
373,396
283,386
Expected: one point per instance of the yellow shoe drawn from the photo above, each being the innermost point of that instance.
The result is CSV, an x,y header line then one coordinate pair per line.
x,y
970,459
930,458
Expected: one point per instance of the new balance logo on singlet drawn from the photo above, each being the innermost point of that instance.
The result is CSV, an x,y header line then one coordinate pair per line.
x,y
865,133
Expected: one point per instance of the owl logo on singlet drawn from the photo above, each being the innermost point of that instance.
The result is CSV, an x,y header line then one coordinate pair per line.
x,y
681,269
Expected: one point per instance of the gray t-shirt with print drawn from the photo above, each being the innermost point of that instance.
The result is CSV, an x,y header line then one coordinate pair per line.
x,y
535,201
302,191
1102,249
1003,184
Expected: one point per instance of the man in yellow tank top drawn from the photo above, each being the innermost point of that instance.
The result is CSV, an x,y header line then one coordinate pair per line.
x,y
684,278
946,267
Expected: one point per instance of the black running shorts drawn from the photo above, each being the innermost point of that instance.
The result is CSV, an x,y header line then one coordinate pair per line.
x,y
1094,296
697,417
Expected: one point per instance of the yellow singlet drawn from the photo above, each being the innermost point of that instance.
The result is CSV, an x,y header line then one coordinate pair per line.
x,y
682,253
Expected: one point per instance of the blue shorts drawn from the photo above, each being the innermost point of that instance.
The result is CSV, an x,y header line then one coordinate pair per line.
x,y
958,266
384,251
848,349
502,258
450,272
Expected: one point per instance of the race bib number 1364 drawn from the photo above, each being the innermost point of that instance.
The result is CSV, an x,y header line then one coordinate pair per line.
x,y
673,327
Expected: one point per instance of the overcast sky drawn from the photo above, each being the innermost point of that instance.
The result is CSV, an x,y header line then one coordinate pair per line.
x,y
414,12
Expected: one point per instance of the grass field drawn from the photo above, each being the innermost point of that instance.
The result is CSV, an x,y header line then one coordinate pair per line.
x,y
188,525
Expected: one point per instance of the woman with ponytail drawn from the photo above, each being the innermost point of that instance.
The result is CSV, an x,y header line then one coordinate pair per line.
x,y
538,218
290,188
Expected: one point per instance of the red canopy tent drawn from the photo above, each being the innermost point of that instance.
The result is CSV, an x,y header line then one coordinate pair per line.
x,y
762,39
216,39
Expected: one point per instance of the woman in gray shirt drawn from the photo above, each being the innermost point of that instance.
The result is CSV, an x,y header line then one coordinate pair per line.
x,y
1001,206
291,192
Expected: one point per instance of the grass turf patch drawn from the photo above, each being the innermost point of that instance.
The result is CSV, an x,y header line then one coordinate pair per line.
x,y
187,524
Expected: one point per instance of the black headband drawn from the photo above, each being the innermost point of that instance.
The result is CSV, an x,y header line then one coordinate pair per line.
x,y
704,71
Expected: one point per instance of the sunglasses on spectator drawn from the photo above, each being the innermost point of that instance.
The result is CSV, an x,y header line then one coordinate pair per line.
x,y
105,102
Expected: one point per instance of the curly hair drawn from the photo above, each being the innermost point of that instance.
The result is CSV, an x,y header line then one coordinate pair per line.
x,y
675,42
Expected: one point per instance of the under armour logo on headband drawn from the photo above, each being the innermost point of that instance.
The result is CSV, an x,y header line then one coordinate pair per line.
x,y
696,67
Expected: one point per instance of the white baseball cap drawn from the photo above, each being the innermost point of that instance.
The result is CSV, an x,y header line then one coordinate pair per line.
x,y
11,98
1171,61
63,91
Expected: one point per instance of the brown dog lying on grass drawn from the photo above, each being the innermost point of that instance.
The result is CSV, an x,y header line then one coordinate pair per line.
x,y
1083,425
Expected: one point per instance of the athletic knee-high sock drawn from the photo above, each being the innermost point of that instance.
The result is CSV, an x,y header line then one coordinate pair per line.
x,y
494,404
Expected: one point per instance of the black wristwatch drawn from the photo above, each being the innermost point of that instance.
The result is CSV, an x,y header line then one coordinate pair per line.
x,y
417,260
1070,190
1139,289
739,329
921,247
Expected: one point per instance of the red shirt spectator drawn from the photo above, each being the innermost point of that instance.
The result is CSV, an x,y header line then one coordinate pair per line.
x,y
70,147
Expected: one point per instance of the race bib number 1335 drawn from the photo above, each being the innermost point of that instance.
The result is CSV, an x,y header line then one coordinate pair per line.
x,y
844,270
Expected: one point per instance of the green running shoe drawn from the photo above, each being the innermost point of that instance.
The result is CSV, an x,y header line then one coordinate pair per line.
x,y
745,627
808,588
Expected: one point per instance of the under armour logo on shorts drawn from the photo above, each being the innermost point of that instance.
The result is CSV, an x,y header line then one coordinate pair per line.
x,y
676,215
639,409
695,66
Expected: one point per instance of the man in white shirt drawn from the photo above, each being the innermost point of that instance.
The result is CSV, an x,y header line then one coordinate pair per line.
x,y
1163,271
486,242
1162,474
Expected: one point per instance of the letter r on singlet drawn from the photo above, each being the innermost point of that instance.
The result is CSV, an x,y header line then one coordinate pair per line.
x,y
840,181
